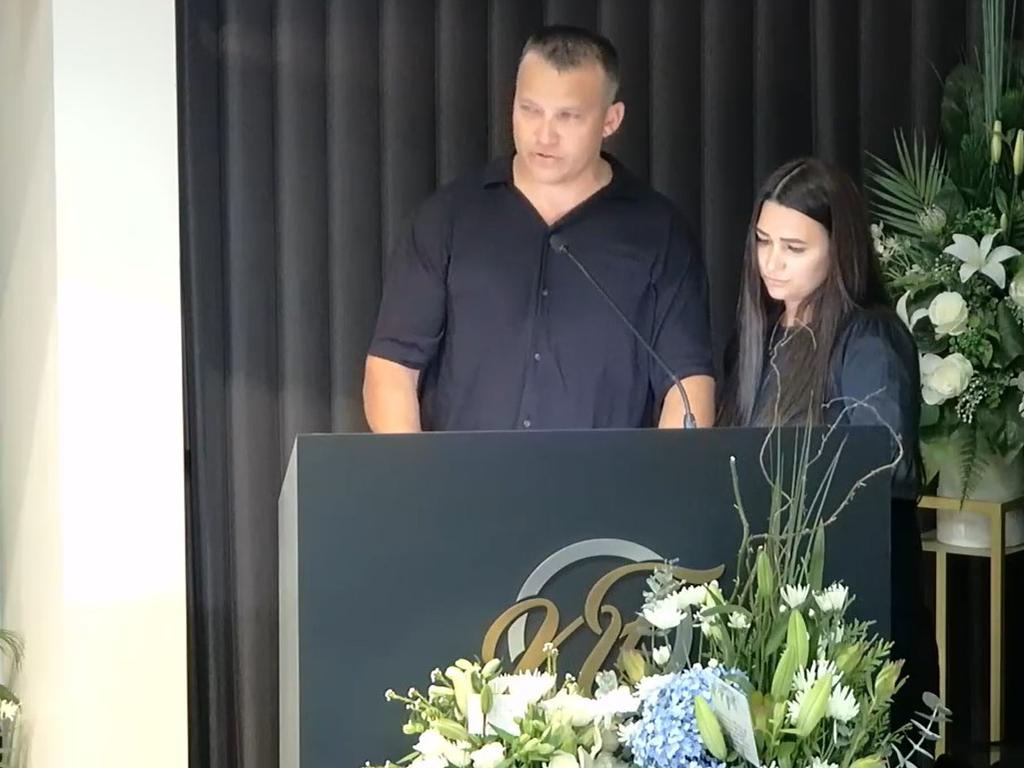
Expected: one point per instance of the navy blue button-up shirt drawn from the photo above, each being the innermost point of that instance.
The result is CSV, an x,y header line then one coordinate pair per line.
x,y
509,334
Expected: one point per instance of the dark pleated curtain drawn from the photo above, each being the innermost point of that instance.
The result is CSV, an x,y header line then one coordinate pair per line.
x,y
310,129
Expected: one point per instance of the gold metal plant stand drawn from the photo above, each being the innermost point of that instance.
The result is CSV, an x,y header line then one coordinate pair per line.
x,y
997,554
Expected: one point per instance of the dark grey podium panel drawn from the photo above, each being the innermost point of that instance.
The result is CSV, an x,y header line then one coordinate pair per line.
x,y
398,552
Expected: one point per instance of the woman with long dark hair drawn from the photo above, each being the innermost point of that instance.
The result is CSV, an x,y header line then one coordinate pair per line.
x,y
815,331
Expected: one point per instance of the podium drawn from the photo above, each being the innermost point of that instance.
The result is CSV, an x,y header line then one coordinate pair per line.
x,y
398,552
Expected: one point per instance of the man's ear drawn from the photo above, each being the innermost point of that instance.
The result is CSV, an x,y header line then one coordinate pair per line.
x,y
613,117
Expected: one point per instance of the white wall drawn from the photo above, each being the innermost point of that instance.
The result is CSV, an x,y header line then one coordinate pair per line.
x,y
91,485
30,540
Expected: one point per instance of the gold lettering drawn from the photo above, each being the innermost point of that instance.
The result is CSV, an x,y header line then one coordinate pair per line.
x,y
628,636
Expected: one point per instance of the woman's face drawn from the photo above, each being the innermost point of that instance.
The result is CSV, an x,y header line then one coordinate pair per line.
x,y
792,255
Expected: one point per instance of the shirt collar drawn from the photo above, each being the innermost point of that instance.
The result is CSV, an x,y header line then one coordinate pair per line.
x,y
623,184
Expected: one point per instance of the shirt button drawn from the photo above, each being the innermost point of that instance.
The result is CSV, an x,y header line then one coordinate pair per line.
x,y
536,355
526,423
544,292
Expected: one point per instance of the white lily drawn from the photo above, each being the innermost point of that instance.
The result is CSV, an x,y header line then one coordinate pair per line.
x,y
901,310
489,755
531,687
572,709
981,257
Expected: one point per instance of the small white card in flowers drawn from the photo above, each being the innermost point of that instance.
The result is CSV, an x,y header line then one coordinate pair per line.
x,y
733,713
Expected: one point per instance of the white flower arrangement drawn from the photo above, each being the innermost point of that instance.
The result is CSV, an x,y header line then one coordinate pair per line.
x,y
950,235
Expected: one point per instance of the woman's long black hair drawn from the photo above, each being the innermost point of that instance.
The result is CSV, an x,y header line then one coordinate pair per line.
x,y
827,195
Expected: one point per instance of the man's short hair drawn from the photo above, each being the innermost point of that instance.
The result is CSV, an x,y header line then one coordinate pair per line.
x,y
565,47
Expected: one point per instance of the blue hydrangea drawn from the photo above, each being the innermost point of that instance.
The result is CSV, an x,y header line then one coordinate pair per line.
x,y
665,735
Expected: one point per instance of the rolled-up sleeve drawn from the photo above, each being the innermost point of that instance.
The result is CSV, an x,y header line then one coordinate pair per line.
x,y
411,321
682,325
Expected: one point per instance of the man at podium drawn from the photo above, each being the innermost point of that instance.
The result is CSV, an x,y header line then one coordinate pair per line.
x,y
550,290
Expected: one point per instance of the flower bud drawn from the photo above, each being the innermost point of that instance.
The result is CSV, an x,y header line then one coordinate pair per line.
x,y
997,142
461,685
451,730
849,657
1004,223
933,220
784,672
633,665
797,638
814,706
887,681
491,668
1017,289
486,699
709,728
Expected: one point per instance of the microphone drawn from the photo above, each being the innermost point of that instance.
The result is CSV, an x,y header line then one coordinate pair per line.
x,y
558,243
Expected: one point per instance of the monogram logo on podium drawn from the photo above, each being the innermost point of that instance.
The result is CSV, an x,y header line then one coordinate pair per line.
x,y
604,621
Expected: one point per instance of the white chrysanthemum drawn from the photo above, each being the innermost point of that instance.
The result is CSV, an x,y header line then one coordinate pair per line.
x,y
842,705
739,620
832,599
708,624
621,701
649,686
9,709
808,676
794,705
663,614
795,596
689,596
529,687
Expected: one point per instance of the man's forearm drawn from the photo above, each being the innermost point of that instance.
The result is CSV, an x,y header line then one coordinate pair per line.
x,y
390,399
700,390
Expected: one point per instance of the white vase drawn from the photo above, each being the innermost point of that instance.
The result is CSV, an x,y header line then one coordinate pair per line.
x,y
1000,481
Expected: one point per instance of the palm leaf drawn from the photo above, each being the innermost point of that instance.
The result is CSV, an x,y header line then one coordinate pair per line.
x,y
900,194
12,644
